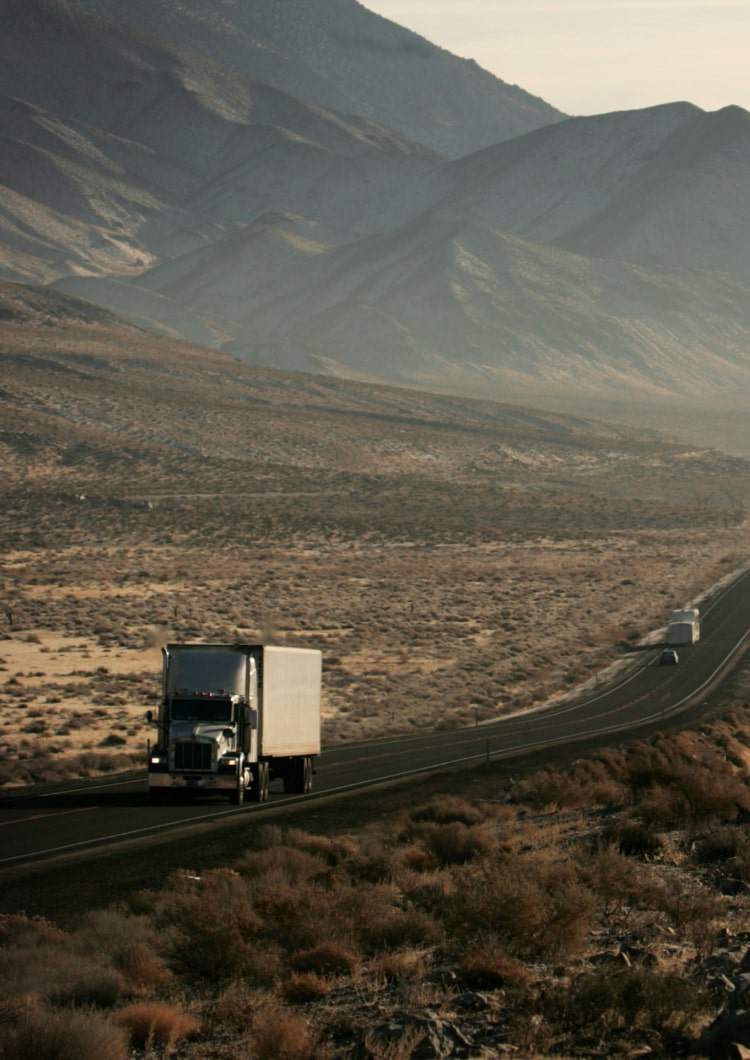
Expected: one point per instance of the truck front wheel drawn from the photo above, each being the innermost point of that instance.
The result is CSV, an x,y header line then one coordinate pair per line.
x,y
238,795
259,789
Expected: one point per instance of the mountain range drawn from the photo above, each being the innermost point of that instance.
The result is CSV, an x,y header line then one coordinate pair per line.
x,y
311,186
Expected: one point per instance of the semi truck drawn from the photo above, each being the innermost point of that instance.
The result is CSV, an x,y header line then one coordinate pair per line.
x,y
684,626
688,614
234,717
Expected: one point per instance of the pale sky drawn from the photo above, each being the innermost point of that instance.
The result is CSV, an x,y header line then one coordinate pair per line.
x,y
591,56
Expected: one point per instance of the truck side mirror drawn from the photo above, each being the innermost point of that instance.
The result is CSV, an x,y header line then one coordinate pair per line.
x,y
250,717
150,717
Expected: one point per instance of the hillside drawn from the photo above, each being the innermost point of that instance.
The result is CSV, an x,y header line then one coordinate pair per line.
x,y
170,152
600,258
449,301
666,186
338,54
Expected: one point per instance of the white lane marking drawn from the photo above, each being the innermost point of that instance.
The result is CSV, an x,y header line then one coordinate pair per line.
x,y
39,816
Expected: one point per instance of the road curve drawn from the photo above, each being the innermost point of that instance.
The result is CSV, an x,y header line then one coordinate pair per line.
x,y
87,818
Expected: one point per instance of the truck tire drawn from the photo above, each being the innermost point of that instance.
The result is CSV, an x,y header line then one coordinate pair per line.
x,y
259,789
238,795
298,776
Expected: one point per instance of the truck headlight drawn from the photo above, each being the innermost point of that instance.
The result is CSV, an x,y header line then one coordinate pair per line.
x,y
228,764
158,760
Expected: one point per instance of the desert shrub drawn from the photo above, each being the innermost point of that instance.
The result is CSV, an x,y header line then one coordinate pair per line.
x,y
214,924
278,1034
328,958
400,966
694,912
17,929
130,941
662,806
298,918
487,967
416,859
633,839
333,848
455,843
59,975
281,864
619,883
141,966
448,809
633,998
302,987
46,1034
534,907
155,1022
399,928
548,788
718,845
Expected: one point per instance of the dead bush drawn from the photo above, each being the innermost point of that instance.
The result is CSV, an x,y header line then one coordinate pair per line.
x,y
633,998
17,929
141,966
487,967
302,987
213,924
278,1034
695,913
131,942
448,809
46,1034
401,966
662,806
619,883
281,864
720,844
633,839
455,843
532,906
333,849
156,1023
400,928
329,958
61,976
417,859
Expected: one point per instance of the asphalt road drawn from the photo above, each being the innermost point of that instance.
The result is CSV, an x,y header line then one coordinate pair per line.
x,y
86,819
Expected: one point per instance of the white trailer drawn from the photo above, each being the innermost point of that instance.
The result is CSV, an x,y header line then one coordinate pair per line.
x,y
233,717
688,614
682,633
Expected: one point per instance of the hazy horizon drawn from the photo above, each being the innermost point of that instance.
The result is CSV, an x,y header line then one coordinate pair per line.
x,y
592,56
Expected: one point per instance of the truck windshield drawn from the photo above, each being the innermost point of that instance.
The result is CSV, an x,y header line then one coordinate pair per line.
x,y
201,710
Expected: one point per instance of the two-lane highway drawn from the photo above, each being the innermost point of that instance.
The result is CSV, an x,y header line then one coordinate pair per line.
x,y
87,818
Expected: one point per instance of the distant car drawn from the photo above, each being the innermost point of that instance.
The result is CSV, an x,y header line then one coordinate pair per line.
x,y
669,657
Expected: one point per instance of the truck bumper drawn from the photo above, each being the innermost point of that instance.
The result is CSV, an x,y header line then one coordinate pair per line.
x,y
188,782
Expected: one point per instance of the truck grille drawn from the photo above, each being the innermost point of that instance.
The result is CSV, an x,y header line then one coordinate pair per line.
x,y
192,756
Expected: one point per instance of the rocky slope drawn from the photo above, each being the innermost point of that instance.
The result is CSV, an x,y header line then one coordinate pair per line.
x,y
339,54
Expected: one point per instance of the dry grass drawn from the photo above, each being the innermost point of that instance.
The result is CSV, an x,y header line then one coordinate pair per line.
x,y
301,987
48,1034
155,1023
280,1034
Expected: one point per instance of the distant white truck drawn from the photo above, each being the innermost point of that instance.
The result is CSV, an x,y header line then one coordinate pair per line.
x,y
684,626
233,717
